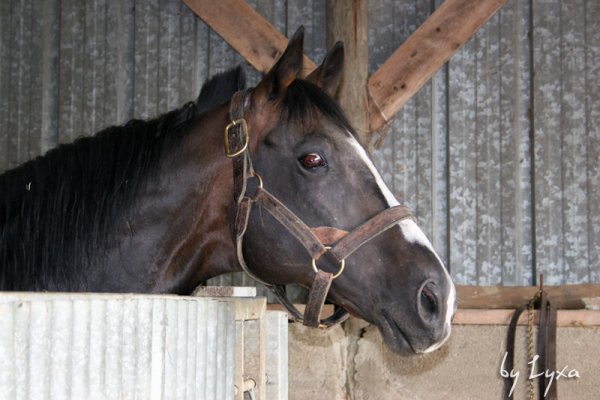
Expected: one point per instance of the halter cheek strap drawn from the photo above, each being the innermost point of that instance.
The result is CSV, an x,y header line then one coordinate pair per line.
x,y
316,241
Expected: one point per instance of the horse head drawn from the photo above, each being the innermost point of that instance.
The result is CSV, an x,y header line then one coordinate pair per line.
x,y
307,156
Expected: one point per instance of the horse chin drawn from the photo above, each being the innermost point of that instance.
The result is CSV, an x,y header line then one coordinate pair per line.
x,y
394,337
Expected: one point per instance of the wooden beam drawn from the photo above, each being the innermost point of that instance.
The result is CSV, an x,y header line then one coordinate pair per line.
x,y
251,35
347,22
575,318
484,297
424,53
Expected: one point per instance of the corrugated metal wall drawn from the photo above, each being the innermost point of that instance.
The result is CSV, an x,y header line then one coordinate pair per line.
x,y
98,346
498,154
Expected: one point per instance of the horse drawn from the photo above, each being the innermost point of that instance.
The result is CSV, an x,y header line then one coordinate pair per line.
x,y
153,207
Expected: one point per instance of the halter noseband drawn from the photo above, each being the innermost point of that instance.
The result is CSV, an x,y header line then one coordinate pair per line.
x,y
317,241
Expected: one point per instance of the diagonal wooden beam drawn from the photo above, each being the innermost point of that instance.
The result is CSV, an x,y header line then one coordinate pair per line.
x,y
249,33
424,53
395,82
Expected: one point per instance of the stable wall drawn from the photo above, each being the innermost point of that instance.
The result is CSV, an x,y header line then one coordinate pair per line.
x,y
351,362
497,155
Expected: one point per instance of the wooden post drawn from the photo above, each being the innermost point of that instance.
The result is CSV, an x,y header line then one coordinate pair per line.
x,y
347,22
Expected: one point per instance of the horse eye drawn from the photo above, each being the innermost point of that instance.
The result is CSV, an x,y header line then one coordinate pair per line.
x,y
312,160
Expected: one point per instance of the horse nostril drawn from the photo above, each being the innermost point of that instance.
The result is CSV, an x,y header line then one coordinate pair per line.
x,y
428,301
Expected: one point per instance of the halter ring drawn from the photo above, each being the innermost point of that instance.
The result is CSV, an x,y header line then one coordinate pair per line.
x,y
342,265
259,179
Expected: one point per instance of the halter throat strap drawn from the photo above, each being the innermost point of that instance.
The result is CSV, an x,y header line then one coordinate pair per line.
x,y
316,241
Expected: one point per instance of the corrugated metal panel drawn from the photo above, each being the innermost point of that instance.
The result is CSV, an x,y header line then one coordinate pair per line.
x,y
497,154
561,148
277,355
90,346
592,116
504,216
73,346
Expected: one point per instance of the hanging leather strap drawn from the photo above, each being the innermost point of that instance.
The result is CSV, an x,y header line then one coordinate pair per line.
x,y
545,348
318,293
510,352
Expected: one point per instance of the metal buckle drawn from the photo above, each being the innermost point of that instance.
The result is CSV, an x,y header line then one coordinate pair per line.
x,y
342,265
241,122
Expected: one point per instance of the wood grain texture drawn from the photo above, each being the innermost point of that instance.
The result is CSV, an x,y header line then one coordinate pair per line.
x,y
574,318
431,45
245,30
563,297
347,22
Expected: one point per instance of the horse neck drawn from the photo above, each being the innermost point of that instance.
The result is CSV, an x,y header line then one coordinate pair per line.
x,y
196,243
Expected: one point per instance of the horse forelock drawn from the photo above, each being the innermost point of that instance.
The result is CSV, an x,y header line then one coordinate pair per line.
x,y
302,99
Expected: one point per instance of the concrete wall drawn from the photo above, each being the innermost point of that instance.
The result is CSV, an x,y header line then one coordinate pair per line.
x,y
351,362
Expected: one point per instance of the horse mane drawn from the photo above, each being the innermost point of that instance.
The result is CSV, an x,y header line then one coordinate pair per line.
x,y
58,209
219,89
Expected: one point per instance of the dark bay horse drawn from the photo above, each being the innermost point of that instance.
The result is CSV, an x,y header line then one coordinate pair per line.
x,y
149,206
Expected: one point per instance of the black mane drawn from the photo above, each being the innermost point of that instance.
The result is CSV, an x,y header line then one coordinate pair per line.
x,y
58,209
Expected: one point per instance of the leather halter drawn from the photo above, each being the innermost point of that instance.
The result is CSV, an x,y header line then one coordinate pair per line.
x,y
317,241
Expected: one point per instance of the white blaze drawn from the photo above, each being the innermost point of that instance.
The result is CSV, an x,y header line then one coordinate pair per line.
x,y
411,231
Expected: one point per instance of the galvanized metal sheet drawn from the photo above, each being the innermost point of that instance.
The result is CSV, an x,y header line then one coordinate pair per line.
x,y
75,346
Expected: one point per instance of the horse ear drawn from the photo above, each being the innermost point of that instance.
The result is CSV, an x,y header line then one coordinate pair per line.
x,y
328,75
288,66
